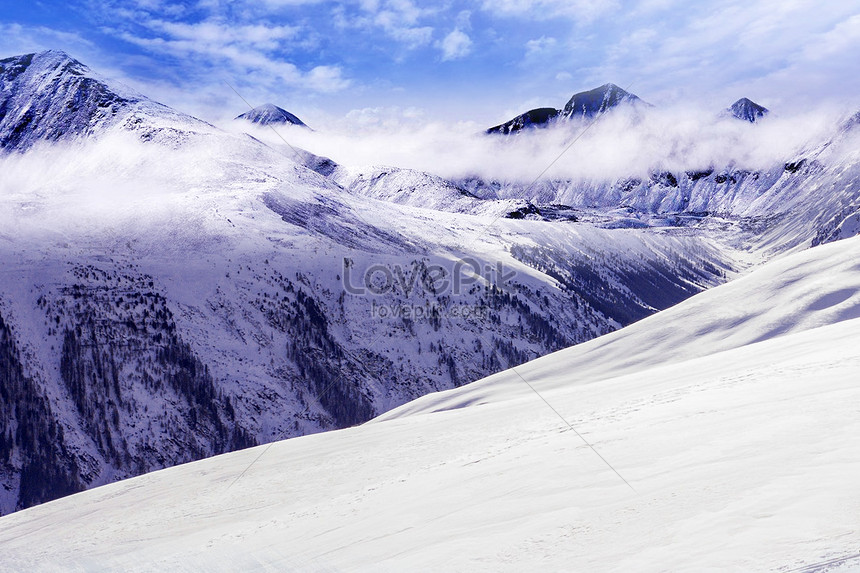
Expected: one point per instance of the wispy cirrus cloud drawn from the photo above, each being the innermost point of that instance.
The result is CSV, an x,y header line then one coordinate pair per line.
x,y
255,50
400,20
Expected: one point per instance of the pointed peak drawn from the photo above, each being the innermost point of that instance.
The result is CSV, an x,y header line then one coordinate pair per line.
x,y
48,61
269,113
747,110
611,86
54,54
598,100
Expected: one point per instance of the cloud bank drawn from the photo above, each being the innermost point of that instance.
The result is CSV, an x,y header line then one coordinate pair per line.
x,y
619,144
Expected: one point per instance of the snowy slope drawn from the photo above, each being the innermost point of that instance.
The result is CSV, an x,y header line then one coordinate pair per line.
x,y
811,289
419,189
739,446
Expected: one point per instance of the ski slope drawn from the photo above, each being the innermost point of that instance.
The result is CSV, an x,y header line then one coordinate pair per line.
x,y
733,417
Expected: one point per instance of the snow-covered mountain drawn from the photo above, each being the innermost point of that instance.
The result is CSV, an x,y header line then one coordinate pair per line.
x,y
540,117
747,110
582,105
171,291
721,434
270,114
50,96
806,199
590,103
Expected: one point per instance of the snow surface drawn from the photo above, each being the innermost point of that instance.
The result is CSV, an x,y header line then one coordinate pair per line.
x,y
733,416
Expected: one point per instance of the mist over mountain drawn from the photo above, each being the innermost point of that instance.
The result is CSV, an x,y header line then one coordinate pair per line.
x,y
161,302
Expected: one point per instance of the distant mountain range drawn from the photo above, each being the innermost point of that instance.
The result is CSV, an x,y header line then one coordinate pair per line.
x,y
591,103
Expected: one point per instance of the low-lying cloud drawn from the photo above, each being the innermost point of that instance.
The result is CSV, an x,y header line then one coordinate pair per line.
x,y
624,143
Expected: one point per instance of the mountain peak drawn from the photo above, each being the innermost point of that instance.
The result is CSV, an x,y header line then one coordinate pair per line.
x,y
598,100
539,117
50,95
268,114
583,104
747,110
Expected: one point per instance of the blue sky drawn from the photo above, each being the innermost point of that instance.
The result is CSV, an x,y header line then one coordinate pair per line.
x,y
390,62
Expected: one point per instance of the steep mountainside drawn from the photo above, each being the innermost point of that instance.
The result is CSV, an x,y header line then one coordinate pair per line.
x,y
171,291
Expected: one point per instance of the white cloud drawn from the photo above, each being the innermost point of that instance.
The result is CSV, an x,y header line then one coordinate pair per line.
x,y
246,51
327,79
18,39
788,53
455,45
619,145
464,20
540,45
383,119
211,34
412,38
400,20
583,11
